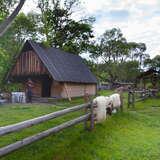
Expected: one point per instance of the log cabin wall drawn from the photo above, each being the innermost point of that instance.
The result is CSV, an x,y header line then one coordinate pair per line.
x,y
37,89
28,63
78,89
74,89
57,89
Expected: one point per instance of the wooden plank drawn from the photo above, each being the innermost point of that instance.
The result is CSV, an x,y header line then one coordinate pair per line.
x,y
19,144
28,123
69,97
92,117
29,62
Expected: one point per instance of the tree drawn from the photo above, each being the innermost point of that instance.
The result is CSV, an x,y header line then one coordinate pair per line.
x,y
112,46
4,65
119,58
24,27
60,30
140,53
8,21
153,63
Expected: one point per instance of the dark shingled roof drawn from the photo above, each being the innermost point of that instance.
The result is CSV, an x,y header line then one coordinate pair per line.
x,y
63,66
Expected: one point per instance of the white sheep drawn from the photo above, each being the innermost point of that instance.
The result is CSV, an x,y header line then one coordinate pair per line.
x,y
115,102
100,110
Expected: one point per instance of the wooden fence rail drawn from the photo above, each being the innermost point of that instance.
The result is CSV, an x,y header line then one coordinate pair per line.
x,y
140,95
28,123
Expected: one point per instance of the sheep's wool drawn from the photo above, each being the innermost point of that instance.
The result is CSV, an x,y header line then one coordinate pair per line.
x,y
115,98
100,111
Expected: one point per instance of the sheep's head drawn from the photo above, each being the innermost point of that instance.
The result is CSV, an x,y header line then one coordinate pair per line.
x,y
94,102
109,106
109,103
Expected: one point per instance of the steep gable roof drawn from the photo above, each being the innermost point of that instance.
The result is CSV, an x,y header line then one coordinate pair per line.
x,y
63,66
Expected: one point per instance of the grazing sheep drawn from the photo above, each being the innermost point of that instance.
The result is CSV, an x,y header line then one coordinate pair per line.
x,y
100,110
115,102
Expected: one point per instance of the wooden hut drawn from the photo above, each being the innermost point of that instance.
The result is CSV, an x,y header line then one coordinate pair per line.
x,y
54,72
150,76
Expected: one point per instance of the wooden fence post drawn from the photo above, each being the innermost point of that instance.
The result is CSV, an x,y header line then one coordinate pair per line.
x,y
92,117
121,98
129,95
133,99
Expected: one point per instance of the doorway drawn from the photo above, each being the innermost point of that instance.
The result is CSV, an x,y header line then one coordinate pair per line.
x,y
46,86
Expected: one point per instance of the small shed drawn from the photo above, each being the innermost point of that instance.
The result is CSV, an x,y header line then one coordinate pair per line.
x,y
54,72
150,76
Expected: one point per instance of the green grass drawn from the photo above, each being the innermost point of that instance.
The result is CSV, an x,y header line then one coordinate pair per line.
x,y
131,135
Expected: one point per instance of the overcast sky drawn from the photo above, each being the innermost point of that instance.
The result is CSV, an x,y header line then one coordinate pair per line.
x,y
139,20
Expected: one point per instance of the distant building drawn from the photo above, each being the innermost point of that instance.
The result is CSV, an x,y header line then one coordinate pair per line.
x,y
151,76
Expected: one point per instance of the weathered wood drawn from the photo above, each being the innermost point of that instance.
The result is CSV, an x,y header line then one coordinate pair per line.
x,y
92,117
138,95
19,144
28,63
69,97
133,99
86,100
28,123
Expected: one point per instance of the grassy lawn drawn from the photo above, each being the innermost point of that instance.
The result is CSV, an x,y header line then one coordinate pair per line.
x,y
131,135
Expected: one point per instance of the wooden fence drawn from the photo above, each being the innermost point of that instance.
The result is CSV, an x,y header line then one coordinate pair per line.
x,y
140,95
89,115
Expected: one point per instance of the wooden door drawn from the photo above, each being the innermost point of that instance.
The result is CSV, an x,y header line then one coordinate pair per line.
x,y
46,87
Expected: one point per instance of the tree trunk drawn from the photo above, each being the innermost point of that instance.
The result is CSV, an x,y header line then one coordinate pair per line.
x,y
8,21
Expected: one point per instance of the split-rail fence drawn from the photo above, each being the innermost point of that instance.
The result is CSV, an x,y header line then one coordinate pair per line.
x,y
88,116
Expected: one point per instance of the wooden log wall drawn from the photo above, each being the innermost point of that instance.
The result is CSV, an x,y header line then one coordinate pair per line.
x,y
28,63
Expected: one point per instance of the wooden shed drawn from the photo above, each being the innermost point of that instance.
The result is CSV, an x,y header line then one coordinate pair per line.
x,y
54,72
150,76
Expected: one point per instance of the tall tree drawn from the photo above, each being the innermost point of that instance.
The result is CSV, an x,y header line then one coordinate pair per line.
x,y
8,21
60,30
140,53
117,56
112,46
23,28
153,63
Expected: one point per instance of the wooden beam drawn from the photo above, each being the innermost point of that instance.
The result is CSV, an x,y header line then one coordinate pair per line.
x,y
92,116
19,144
28,123
69,97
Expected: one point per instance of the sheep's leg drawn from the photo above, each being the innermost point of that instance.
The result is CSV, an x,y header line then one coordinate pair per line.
x,y
109,111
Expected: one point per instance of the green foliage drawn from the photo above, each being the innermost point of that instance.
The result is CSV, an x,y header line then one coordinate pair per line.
x,y
114,71
4,65
153,63
12,87
121,60
113,46
60,30
128,71
5,6
24,27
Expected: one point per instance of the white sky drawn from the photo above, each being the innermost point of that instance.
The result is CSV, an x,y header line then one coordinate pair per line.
x,y
139,20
